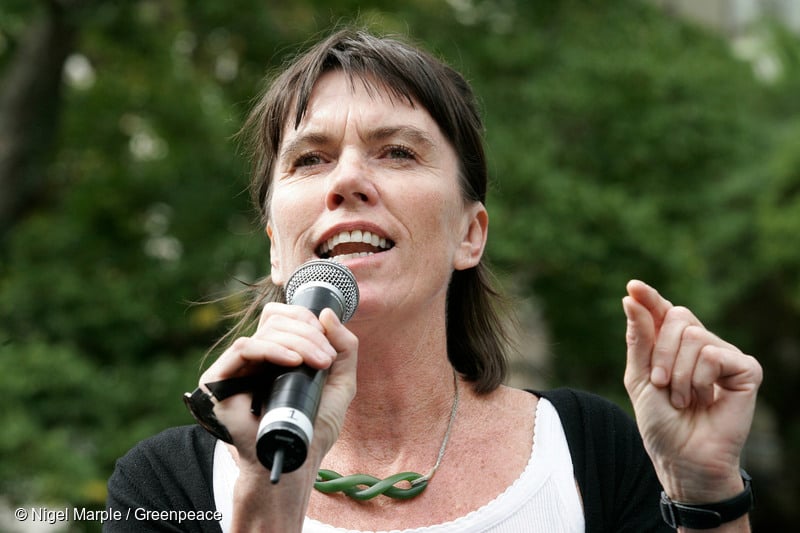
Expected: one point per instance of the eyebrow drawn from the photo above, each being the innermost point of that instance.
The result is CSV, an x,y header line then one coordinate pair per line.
x,y
409,134
414,136
299,144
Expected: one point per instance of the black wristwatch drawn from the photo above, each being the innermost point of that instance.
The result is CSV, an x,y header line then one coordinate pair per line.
x,y
708,515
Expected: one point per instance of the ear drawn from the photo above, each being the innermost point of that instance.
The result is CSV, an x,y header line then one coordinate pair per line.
x,y
276,273
473,242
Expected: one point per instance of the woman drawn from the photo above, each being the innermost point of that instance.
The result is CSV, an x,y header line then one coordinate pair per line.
x,y
369,151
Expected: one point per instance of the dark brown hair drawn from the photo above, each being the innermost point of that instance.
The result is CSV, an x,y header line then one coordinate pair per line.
x,y
477,334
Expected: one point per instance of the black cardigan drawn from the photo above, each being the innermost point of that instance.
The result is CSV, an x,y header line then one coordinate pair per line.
x,y
173,471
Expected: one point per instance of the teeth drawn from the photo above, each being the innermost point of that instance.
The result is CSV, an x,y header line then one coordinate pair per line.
x,y
354,236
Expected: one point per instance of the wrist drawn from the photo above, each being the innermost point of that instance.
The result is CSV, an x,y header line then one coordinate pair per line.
x,y
708,515
263,506
709,483
259,505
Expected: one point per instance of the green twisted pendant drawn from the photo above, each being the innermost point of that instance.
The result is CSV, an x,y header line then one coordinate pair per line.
x,y
365,487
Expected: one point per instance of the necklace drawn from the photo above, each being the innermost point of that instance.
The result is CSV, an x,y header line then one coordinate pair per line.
x,y
330,482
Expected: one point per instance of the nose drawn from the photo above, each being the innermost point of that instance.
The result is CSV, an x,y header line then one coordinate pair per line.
x,y
350,184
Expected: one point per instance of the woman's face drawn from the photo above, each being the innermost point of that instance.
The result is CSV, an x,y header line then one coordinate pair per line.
x,y
370,180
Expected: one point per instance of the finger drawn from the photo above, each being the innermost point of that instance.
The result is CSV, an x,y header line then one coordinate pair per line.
x,y
657,305
307,339
730,370
698,354
683,380
245,354
666,353
341,339
341,386
706,373
296,312
639,337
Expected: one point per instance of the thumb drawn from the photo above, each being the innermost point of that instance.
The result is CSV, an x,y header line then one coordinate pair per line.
x,y
640,339
342,339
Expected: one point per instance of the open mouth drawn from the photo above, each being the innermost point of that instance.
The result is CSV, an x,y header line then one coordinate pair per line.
x,y
350,244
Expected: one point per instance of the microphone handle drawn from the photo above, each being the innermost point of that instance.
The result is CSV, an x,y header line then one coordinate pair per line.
x,y
286,430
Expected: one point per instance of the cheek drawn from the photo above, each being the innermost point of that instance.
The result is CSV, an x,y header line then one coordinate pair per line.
x,y
288,210
444,212
437,218
287,218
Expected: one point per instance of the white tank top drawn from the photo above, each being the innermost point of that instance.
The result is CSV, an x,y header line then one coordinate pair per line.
x,y
544,499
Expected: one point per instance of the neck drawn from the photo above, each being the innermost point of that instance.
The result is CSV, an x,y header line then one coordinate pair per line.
x,y
403,401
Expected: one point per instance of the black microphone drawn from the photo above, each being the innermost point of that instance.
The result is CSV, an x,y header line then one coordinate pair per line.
x,y
286,430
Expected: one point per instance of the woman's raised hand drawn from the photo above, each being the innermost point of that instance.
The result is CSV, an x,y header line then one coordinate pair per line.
x,y
694,396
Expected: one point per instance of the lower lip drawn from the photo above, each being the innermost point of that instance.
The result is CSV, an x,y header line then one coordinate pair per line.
x,y
361,259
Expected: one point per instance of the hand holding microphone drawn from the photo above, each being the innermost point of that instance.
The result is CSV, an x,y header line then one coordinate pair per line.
x,y
298,341
287,428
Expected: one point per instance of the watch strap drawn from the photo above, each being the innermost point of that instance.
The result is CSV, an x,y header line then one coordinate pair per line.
x,y
708,515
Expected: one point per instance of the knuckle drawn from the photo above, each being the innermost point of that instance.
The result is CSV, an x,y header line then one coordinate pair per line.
x,y
632,337
680,376
709,354
629,381
269,321
352,340
709,363
239,345
681,313
270,308
756,369
694,333
662,353
281,311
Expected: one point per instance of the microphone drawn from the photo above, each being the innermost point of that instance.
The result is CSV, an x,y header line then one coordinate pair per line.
x,y
286,430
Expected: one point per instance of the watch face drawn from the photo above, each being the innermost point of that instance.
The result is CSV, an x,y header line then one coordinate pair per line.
x,y
202,408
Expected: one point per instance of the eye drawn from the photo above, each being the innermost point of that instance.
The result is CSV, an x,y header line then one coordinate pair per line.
x,y
397,151
308,160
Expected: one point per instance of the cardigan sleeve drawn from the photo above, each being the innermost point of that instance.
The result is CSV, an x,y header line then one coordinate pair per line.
x,y
617,480
165,484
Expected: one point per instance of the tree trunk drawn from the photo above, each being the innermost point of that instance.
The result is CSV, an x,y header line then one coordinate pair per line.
x,y
29,108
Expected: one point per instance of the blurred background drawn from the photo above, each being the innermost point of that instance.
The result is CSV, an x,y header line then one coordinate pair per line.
x,y
627,138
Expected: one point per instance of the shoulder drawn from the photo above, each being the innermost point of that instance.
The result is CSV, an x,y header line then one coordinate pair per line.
x,y
584,413
171,445
593,425
166,476
567,398
616,478
165,464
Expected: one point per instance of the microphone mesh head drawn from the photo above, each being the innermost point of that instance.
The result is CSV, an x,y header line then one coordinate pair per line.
x,y
331,272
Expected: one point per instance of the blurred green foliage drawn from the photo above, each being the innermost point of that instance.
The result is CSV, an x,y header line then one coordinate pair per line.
x,y
623,143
